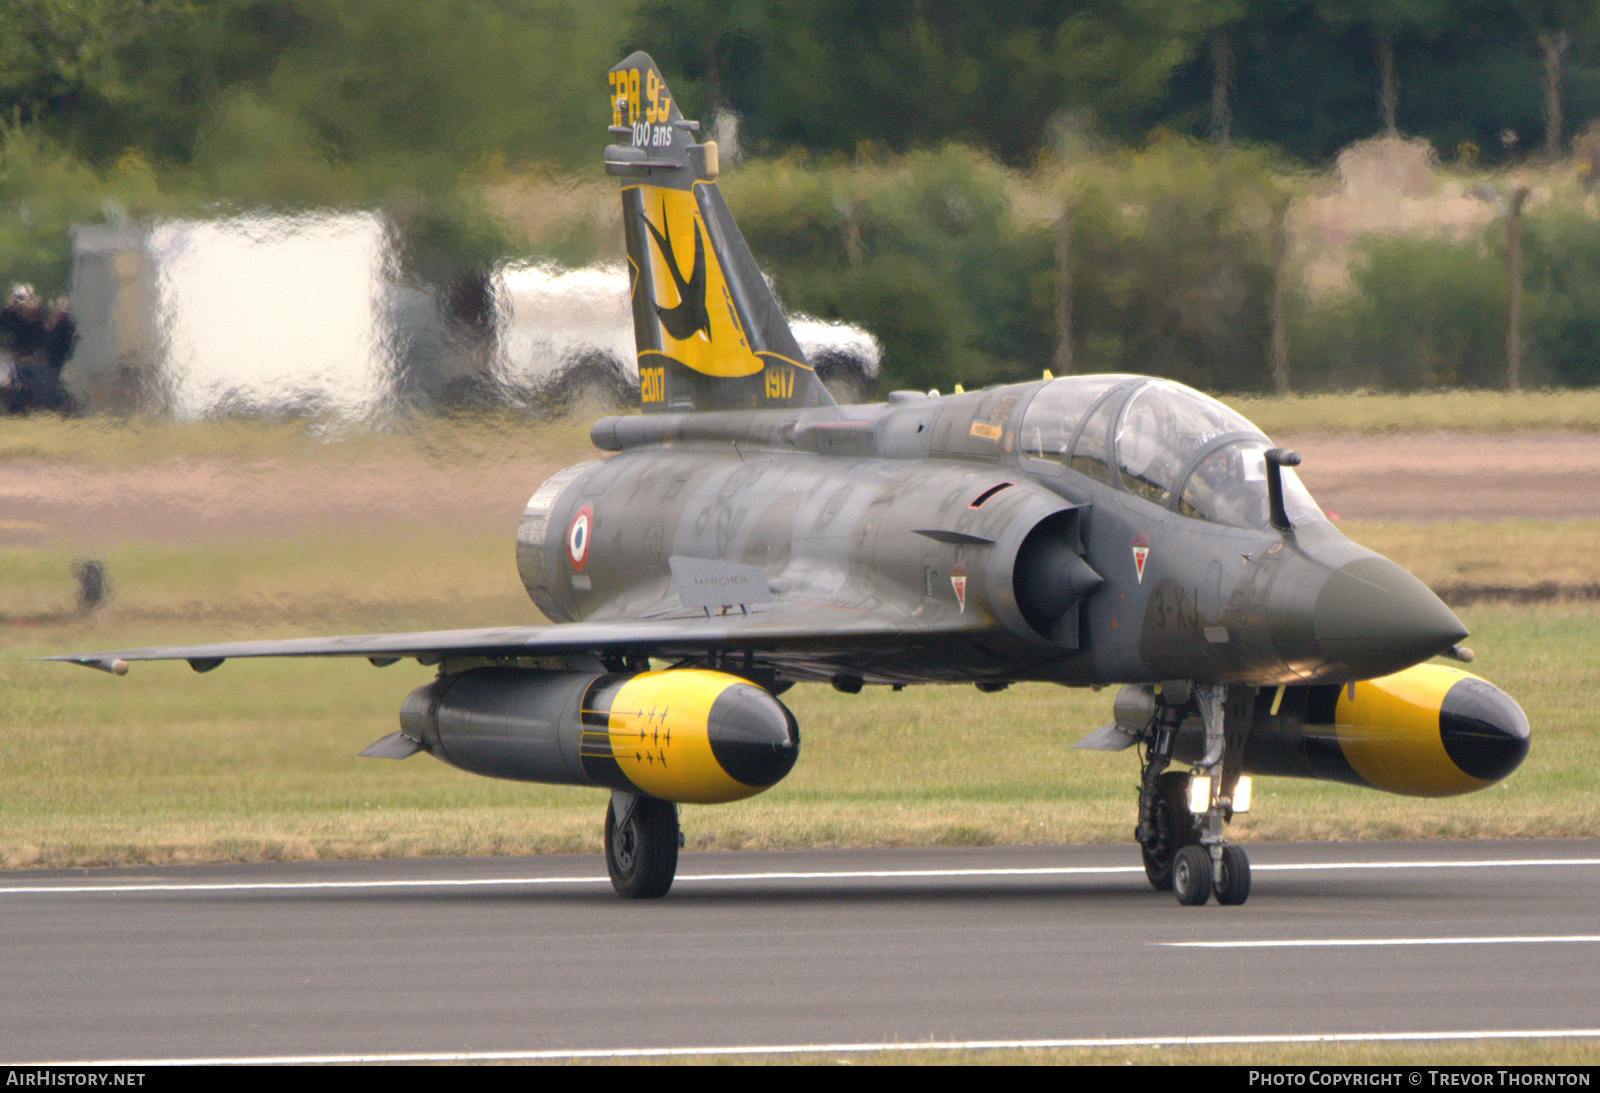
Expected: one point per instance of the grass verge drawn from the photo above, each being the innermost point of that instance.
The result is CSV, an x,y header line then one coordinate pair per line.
x,y
1380,412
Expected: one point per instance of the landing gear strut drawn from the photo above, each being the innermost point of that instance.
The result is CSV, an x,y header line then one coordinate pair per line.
x,y
641,845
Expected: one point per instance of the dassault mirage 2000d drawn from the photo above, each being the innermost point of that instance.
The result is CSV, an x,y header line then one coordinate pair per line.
x,y
749,534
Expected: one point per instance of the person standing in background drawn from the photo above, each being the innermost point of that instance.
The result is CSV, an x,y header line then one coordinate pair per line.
x,y
41,341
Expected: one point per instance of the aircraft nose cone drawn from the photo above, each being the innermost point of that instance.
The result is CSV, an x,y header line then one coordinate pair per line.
x,y
1484,731
1375,618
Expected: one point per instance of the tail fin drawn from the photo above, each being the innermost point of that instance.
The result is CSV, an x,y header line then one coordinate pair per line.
x,y
709,334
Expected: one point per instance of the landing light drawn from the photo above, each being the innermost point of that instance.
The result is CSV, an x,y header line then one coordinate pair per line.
x,y
1200,794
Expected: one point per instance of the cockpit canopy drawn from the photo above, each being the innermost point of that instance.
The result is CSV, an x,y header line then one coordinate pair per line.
x,y
1161,441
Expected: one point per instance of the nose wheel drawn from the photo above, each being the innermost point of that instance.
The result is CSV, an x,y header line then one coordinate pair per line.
x,y
1196,878
1191,876
1234,886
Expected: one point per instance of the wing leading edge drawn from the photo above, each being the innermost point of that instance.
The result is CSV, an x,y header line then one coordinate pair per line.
x,y
813,633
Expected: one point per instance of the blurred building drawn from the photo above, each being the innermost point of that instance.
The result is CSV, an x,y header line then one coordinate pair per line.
x,y
114,284
310,315
566,333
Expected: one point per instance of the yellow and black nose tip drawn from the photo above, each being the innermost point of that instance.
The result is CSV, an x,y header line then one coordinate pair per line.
x,y
1484,731
753,736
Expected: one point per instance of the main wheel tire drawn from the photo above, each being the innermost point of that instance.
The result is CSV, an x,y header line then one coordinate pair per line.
x,y
1175,828
1235,886
1191,876
642,854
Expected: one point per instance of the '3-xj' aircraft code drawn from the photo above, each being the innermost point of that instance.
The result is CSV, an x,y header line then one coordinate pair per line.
x,y
1177,609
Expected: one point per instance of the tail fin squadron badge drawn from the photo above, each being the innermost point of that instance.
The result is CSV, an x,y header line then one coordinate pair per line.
x,y
1141,551
689,317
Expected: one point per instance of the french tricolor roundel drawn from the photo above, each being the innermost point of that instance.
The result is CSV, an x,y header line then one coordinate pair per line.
x,y
578,537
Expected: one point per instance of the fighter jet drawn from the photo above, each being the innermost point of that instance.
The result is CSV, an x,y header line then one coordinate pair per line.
x,y
746,534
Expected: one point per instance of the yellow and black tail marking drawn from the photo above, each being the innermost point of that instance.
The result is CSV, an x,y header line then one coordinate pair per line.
x,y
709,334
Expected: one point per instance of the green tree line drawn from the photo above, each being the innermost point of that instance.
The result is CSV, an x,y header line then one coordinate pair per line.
x,y
1170,259
1303,76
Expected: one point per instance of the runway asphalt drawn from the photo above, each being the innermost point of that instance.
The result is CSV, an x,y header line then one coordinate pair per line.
x,y
508,957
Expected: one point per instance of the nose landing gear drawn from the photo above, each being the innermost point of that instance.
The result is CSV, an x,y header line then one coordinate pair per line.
x,y
1186,851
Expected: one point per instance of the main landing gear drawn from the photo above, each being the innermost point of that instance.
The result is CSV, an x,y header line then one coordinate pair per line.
x,y
1172,828
642,841
1185,850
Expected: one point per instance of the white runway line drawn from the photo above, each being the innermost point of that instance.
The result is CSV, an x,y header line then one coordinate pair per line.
x,y
290,886
705,878
823,1049
1490,863
1381,942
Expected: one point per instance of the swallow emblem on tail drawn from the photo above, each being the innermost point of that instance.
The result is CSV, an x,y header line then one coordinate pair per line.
x,y
690,316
